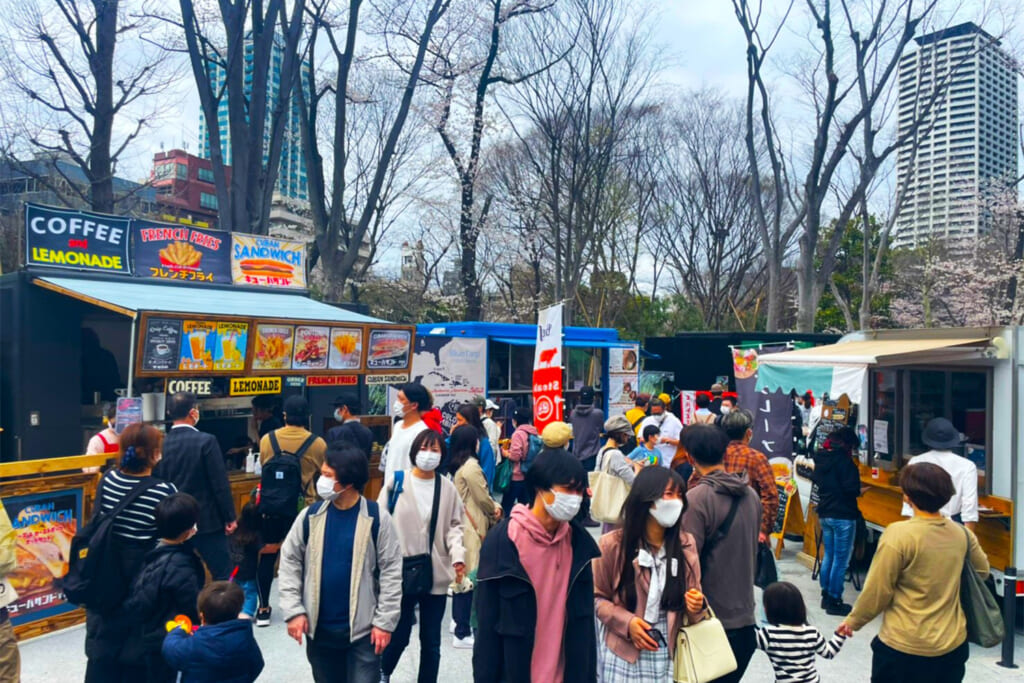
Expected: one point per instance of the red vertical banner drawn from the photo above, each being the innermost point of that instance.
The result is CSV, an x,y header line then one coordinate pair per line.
x,y
547,368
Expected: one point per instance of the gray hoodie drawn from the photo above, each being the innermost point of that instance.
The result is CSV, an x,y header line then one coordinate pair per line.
x,y
728,571
587,424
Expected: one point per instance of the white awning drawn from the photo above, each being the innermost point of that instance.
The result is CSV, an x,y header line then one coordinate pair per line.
x,y
884,352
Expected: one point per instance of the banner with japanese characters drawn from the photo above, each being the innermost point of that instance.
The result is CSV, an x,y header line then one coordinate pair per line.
x,y
267,261
547,368
623,378
178,252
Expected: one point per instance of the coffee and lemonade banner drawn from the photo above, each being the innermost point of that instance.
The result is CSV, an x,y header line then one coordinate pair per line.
x,y
84,241
76,240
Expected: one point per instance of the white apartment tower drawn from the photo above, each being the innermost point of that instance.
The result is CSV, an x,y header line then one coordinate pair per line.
x,y
962,85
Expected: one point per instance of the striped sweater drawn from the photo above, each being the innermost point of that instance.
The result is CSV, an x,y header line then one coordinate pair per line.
x,y
138,521
791,650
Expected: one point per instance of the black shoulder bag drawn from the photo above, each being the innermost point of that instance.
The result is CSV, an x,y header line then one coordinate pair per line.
x,y
417,571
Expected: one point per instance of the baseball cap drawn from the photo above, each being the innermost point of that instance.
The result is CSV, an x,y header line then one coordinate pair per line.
x,y
556,434
490,405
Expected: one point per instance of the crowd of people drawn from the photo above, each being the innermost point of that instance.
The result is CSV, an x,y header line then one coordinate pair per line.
x,y
500,527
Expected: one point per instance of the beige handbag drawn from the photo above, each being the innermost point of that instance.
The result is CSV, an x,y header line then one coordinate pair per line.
x,y
703,652
608,494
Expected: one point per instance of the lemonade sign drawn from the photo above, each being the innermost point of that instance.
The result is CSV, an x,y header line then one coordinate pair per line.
x,y
197,346
229,351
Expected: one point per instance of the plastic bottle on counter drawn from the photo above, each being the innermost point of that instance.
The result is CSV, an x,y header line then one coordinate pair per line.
x,y
250,462
257,468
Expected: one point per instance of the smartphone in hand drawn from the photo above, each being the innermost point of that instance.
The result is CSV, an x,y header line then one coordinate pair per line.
x,y
657,637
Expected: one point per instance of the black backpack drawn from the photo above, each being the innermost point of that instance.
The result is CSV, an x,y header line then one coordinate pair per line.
x,y
281,480
94,577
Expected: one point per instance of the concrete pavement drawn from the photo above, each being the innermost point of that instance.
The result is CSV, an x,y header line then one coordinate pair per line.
x,y
60,657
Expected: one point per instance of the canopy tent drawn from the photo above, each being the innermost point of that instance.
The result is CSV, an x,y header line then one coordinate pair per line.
x,y
129,298
841,368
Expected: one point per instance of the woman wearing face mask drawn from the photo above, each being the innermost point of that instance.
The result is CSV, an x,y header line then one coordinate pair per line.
x,y
424,506
535,588
646,580
481,513
134,534
611,459
412,401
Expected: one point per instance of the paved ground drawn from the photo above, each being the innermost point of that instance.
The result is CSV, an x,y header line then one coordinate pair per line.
x,y
59,657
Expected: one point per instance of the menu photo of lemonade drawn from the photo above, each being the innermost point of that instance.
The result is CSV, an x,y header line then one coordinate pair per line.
x,y
273,347
229,353
346,349
197,348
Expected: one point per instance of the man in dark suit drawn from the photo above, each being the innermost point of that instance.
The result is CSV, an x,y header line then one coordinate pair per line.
x,y
346,408
192,461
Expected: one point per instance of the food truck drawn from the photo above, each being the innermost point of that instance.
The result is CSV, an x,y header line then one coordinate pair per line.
x,y
459,360
126,310
896,381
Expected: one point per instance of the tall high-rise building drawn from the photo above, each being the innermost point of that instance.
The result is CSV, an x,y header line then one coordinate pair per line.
x,y
291,175
962,85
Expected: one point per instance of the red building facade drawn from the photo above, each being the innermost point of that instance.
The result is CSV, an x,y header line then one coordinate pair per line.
x,y
185,190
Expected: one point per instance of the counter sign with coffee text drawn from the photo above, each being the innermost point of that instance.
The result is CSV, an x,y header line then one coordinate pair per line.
x,y
76,240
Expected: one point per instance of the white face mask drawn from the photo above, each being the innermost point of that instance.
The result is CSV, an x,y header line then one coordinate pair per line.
x,y
726,410
427,461
325,488
565,506
338,416
197,418
666,511
398,408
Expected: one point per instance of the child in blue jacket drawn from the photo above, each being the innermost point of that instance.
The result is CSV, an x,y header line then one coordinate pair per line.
x,y
223,649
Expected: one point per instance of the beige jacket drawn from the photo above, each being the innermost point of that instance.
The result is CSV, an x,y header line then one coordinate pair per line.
x,y
479,506
413,530
370,605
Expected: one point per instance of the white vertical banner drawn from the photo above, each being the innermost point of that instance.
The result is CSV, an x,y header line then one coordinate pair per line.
x,y
547,368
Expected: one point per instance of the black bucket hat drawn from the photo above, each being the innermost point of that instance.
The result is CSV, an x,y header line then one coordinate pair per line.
x,y
940,433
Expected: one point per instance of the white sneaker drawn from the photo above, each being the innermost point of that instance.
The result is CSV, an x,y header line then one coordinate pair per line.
x,y
463,643
451,627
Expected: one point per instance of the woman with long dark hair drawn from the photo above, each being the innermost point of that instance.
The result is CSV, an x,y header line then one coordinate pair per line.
x,y
481,514
469,414
646,580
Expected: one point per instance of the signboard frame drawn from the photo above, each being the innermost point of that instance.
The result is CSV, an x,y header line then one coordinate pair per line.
x,y
123,252
250,350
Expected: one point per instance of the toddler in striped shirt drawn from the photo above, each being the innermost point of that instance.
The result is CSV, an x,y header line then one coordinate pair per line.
x,y
789,641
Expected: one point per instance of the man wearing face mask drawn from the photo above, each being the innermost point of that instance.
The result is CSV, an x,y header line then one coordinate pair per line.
x,y
669,426
412,401
341,574
535,585
346,409
193,462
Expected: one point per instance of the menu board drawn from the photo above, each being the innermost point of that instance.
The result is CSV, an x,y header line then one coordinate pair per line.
x,y
76,240
44,524
311,344
389,349
229,350
160,345
273,347
346,352
199,338
267,261
175,252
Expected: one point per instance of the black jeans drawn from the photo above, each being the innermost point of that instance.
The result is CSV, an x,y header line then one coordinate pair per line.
x,y
431,613
517,492
892,666
336,660
743,642
273,530
213,548
462,613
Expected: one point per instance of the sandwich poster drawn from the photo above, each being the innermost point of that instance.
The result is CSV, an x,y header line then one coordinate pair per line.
x,y
389,350
44,524
178,252
267,261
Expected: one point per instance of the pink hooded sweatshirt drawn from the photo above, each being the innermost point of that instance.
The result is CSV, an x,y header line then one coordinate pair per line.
x,y
547,560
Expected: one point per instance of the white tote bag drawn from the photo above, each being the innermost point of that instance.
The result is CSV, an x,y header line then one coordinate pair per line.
x,y
703,652
609,493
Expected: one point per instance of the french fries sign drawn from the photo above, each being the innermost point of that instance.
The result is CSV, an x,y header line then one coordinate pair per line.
x,y
178,252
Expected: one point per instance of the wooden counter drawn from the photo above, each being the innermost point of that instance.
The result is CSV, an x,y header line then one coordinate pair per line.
x,y
242,485
881,503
